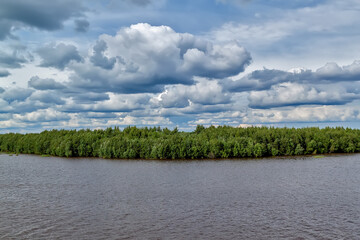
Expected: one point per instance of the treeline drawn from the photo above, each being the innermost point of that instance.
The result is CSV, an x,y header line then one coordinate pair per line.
x,y
157,143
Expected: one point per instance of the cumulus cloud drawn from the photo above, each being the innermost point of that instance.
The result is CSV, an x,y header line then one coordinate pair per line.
x,y
203,92
58,56
81,25
262,79
24,100
13,60
14,101
98,58
41,14
112,103
87,97
44,84
16,94
266,78
43,115
143,121
145,58
290,94
333,72
218,61
196,109
303,114
4,106
48,97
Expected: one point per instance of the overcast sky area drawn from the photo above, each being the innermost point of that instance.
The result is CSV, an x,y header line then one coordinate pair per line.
x,y
73,64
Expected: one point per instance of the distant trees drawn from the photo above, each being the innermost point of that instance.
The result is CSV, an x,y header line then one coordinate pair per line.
x,y
157,143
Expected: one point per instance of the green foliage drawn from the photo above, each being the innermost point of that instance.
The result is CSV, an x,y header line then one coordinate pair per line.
x,y
157,143
299,150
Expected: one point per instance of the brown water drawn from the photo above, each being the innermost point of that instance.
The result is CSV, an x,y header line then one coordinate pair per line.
x,y
284,198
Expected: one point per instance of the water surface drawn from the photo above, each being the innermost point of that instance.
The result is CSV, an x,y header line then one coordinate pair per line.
x,y
283,198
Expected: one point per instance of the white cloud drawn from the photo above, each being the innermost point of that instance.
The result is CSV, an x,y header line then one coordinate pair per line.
x,y
16,94
115,103
303,114
305,36
150,121
204,92
11,123
150,57
46,115
287,94
220,61
332,71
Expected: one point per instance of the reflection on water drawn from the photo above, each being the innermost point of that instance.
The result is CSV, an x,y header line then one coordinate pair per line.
x,y
302,198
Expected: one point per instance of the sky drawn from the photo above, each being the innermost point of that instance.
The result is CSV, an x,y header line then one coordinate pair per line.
x,y
76,64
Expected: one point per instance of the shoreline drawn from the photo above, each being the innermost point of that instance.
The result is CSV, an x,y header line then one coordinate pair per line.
x,y
222,142
308,156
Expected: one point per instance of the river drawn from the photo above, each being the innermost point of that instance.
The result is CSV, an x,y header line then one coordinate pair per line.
x,y
274,198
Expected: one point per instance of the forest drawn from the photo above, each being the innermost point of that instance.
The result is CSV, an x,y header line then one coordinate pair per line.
x,y
202,143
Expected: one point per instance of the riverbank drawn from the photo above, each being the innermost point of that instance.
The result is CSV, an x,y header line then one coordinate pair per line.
x,y
294,157
221,142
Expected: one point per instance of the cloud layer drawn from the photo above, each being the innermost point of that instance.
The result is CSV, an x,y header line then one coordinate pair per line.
x,y
152,72
80,64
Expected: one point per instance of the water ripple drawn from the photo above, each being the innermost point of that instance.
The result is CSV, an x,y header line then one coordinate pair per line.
x,y
303,198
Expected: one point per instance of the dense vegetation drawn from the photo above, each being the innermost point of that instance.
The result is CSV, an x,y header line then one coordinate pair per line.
x,y
156,143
